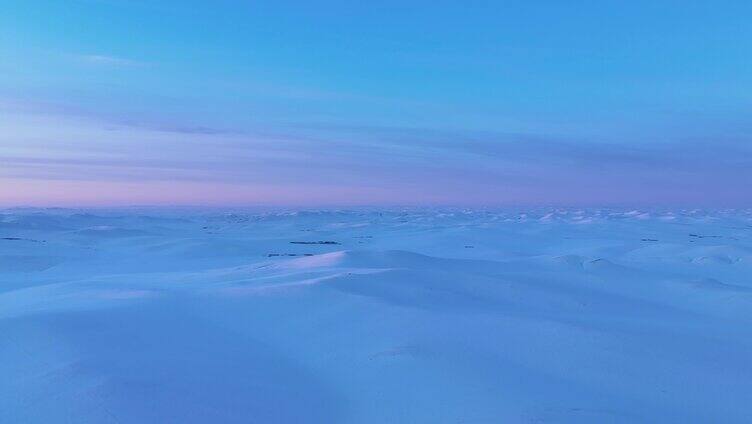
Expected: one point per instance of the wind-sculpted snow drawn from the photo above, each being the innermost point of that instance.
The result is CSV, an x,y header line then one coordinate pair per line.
x,y
375,316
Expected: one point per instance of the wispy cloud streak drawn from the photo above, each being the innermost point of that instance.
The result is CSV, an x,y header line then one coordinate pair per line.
x,y
429,165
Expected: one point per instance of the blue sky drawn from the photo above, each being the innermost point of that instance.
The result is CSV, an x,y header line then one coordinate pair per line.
x,y
480,103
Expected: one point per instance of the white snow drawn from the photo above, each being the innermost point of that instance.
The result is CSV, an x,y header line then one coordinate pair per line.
x,y
375,316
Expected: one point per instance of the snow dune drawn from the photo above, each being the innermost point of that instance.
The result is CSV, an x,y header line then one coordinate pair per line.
x,y
399,316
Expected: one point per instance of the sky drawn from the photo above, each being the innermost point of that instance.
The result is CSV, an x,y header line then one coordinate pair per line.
x,y
229,102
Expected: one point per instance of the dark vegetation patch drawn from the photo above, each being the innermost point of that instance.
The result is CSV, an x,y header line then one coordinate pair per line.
x,y
21,239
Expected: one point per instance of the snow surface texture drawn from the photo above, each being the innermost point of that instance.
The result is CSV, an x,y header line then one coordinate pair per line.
x,y
411,316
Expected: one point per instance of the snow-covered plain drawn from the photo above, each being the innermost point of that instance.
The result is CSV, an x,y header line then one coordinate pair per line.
x,y
399,316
